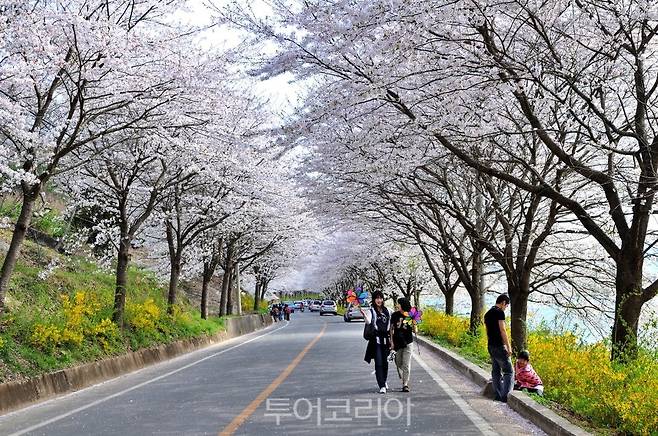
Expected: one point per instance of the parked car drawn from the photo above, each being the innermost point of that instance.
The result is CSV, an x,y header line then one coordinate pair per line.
x,y
328,306
354,312
291,305
315,305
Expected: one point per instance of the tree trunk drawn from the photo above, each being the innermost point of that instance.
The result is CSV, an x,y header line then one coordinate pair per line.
x,y
238,289
519,314
257,296
223,298
628,307
228,266
121,280
450,303
477,312
477,293
209,268
417,298
229,294
263,289
175,255
17,238
207,276
174,275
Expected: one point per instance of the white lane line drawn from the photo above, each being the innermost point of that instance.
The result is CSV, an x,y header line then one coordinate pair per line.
x,y
137,386
475,417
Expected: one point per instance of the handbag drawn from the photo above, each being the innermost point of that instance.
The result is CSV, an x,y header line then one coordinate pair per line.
x,y
368,331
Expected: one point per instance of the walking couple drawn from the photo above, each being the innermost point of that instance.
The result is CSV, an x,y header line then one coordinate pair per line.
x,y
386,332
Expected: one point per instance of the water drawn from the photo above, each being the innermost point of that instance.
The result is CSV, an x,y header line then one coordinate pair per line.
x,y
591,327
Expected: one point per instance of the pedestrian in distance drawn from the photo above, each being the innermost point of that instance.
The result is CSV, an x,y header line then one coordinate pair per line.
x,y
287,311
378,333
499,348
275,312
281,311
402,338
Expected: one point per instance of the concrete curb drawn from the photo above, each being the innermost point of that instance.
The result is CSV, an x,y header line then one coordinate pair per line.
x,y
18,394
520,402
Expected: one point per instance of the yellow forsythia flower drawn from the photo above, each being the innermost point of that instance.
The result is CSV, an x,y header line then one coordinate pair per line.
x,y
579,376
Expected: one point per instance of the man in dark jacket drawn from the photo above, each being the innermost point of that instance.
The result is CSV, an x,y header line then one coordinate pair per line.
x,y
499,348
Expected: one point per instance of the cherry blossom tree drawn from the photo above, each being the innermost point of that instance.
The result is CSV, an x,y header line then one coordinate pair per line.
x,y
124,184
199,204
470,78
71,74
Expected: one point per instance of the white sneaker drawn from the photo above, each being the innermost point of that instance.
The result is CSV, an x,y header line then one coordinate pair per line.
x,y
386,384
382,391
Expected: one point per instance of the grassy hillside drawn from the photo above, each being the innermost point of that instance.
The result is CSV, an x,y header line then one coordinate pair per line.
x,y
60,309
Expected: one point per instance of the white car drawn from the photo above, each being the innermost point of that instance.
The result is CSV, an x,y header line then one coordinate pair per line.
x,y
315,305
354,312
328,306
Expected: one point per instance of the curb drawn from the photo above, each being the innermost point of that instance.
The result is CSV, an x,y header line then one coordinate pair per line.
x,y
544,418
19,394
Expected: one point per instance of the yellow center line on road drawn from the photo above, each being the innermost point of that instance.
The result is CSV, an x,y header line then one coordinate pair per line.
x,y
251,408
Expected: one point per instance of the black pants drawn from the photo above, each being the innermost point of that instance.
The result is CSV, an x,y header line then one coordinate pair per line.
x,y
381,364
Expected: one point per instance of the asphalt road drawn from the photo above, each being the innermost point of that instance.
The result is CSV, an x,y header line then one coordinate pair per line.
x,y
304,376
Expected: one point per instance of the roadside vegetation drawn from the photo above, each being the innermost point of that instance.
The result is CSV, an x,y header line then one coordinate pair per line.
x,y
247,302
578,377
60,309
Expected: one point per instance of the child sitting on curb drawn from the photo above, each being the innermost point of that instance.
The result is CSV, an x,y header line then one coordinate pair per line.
x,y
525,377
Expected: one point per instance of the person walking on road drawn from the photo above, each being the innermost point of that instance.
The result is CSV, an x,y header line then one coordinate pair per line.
x,y
499,348
402,338
379,343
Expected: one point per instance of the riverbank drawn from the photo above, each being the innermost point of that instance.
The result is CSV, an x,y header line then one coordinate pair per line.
x,y
578,377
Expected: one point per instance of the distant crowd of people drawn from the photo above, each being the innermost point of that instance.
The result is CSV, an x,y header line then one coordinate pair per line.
x,y
280,311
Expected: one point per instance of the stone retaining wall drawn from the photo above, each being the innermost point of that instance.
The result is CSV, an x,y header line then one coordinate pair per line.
x,y
14,395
